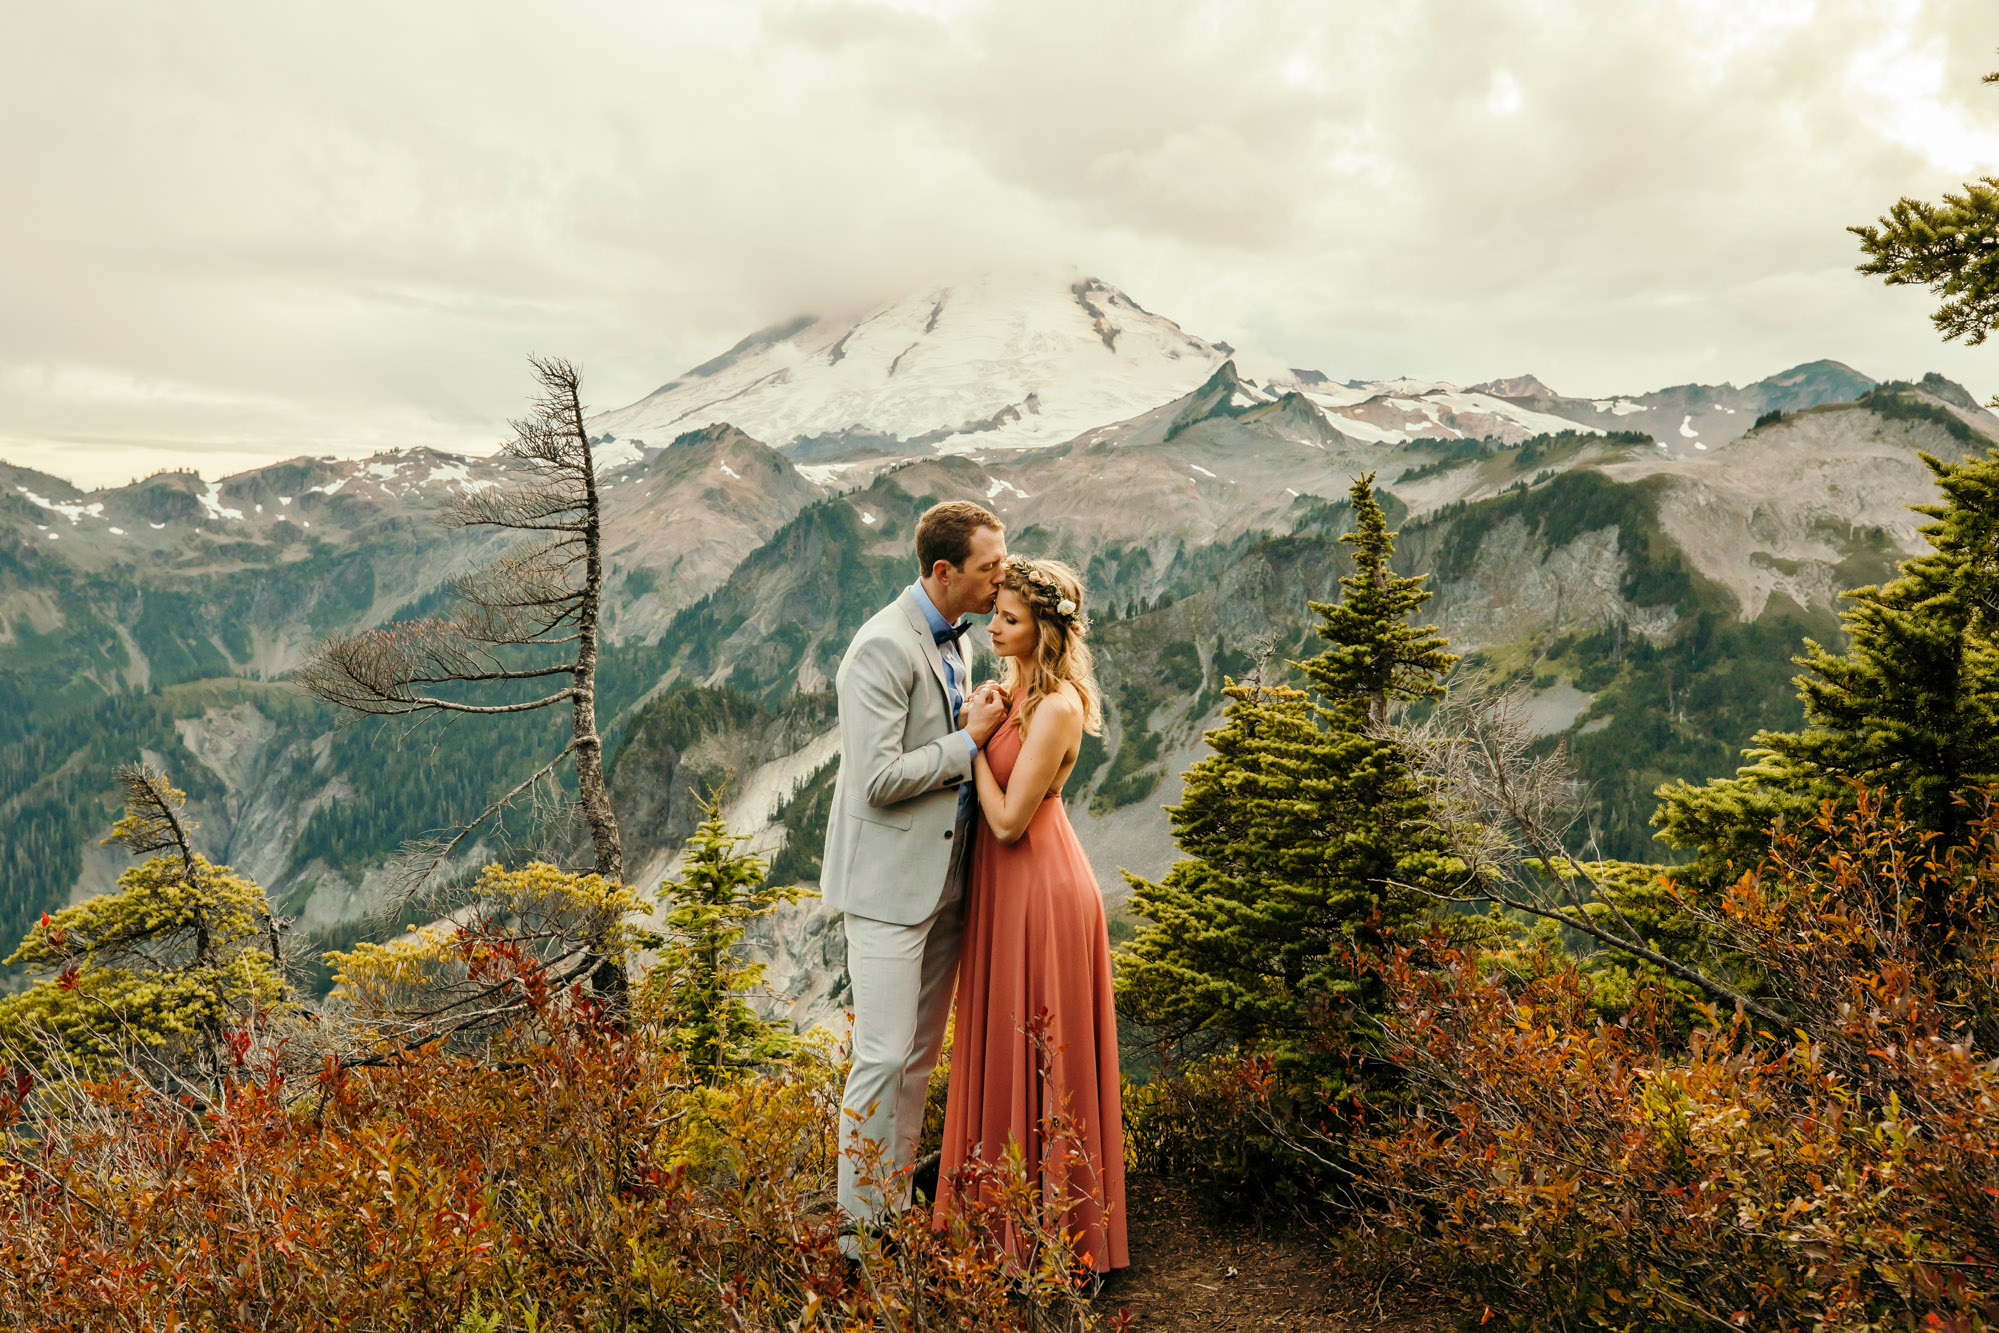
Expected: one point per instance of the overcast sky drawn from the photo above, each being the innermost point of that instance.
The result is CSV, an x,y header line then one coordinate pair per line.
x,y
239,231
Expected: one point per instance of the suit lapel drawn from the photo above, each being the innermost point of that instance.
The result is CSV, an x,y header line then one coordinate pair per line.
x,y
919,625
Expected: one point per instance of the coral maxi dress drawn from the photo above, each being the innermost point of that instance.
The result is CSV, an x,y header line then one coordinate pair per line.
x,y
1035,941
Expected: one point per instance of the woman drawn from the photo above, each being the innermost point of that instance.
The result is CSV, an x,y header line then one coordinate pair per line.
x,y
1035,941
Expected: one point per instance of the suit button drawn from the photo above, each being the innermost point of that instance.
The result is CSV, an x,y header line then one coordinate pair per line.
x,y
947,835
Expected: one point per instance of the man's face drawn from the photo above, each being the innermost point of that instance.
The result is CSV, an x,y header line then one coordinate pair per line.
x,y
974,587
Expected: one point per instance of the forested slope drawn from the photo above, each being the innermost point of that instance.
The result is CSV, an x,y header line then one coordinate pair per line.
x,y
1652,597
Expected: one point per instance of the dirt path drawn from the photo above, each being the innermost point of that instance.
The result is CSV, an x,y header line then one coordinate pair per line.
x,y
1188,1274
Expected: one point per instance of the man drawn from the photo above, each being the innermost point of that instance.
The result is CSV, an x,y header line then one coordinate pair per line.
x,y
898,837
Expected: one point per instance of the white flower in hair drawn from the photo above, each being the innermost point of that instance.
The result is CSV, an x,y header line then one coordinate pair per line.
x,y
1065,607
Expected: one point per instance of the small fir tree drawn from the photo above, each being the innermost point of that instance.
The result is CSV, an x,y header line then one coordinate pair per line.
x,y
1376,656
697,990
1189,972
1303,831
1911,707
172,971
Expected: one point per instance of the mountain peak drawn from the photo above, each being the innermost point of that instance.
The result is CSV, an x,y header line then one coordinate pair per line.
x,y
1950,391
1000,361
1515,386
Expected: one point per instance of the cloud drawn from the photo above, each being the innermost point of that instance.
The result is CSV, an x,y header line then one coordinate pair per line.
x,y
243,230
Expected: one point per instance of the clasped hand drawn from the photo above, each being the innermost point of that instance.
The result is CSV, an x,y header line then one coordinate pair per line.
x,y
982,713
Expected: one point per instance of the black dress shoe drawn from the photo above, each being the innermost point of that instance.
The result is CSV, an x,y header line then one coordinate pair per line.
x,y
923,1180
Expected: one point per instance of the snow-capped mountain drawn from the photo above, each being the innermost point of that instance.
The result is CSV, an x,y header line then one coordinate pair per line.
x,y
1015,363
998,362
1009,363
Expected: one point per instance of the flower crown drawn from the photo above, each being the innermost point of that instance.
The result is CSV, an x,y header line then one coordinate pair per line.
x,y
1046,595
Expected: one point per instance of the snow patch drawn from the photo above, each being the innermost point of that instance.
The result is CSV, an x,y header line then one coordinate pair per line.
x,y
1203,471
157,526
448,472
993,491
330,488
211,500
822,474
1369,433
73,512
117,532
1687,427
619,453
284,499
382,471
732,472
867,518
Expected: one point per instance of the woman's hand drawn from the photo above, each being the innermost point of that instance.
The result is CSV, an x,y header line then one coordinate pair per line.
x,y
965,709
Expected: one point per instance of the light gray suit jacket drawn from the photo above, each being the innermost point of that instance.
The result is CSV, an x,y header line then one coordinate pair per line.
x,y
890,834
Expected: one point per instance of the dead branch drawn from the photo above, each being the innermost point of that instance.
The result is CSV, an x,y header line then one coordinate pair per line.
x,y
1507,812
419,860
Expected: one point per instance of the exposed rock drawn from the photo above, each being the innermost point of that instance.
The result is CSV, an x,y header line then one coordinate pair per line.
x,y
1517,386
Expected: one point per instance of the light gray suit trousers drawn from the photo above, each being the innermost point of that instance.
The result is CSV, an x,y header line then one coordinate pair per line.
x,y
895,864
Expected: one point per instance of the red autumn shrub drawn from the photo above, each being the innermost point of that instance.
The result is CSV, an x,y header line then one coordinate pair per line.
x,y
1844,1175
570,1177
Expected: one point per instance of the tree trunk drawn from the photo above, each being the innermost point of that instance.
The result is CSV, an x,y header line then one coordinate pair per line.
x,y
607,976
1377,698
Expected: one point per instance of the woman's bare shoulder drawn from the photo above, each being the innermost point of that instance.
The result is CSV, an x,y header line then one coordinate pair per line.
x,y
1064,702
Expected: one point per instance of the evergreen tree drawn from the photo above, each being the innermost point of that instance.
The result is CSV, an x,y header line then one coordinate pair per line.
x,y
1302,830
1911,706
183,957
697,989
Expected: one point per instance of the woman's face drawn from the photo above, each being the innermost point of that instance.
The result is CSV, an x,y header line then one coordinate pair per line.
x,y
1012,630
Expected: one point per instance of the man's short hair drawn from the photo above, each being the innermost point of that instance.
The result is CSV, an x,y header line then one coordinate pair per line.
x,y
945,532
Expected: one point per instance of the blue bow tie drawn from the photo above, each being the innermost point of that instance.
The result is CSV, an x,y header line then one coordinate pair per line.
x,y
953,634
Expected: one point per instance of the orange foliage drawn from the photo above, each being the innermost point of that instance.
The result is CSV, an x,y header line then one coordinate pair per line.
x,y
571,1177
1843,1175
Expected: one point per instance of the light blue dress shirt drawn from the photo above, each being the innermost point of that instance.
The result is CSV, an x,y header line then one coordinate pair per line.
x,y
955,673
956,677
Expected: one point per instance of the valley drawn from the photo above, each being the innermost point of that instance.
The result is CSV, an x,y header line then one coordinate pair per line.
x,y
1649,563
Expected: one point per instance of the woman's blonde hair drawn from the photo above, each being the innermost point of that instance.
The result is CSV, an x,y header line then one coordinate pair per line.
x,y
1054,595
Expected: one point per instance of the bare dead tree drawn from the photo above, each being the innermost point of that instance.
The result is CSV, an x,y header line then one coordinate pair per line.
x,y
532,615
1508,812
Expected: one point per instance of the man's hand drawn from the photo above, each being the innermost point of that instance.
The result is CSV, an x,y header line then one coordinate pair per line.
x,y
985,710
